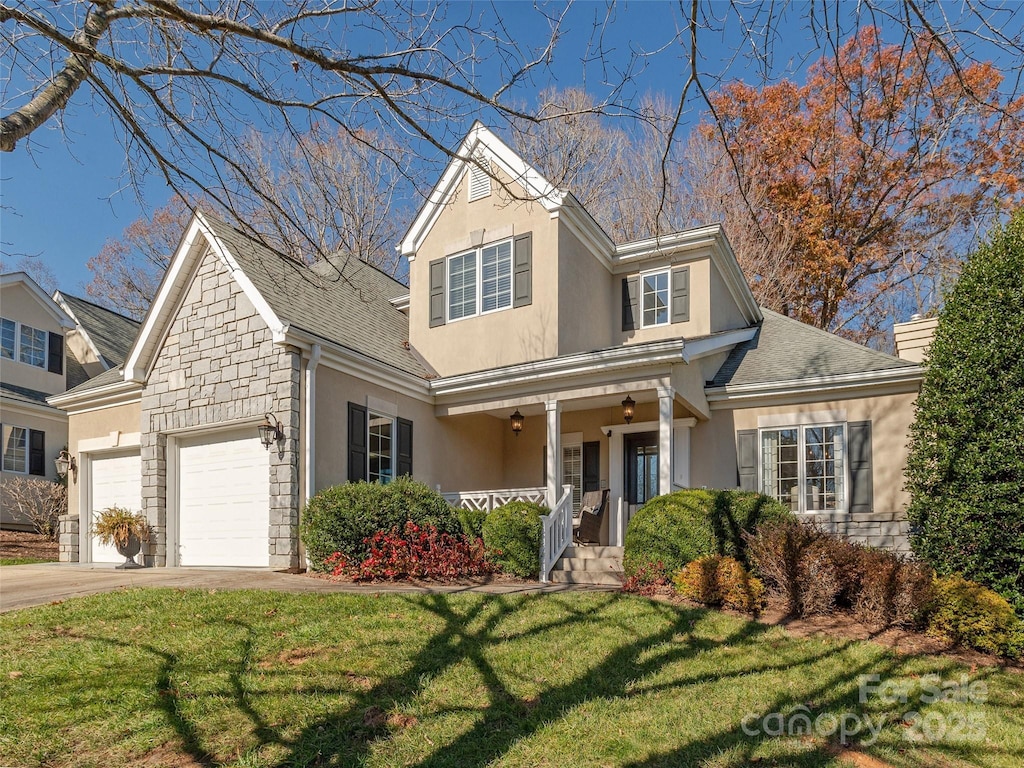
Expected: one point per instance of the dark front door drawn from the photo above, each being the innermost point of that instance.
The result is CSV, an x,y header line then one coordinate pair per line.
x,y
641,470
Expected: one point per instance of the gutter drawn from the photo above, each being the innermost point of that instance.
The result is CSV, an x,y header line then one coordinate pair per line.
x,y
903,375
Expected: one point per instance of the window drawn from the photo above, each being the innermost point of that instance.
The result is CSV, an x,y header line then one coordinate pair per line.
x,y
805,467
33,347
485,273
15,449
655,298
572,472
380,444
7,338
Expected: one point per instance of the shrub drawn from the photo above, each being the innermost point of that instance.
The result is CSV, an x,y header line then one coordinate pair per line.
x,y
647,581
512,534
717,580
973,615
680,527
116,525
415,552
342,518
472,522
893,591
965,470
36,501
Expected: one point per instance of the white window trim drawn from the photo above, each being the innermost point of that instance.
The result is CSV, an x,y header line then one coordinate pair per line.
x,y
478,301
801,448
370,414
667,271
3,452
17,345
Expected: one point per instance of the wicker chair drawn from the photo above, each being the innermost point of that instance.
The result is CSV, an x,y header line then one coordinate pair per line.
x,y
593,507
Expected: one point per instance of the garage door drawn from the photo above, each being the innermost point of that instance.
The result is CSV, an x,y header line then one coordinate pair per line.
x,y
115,480
223,500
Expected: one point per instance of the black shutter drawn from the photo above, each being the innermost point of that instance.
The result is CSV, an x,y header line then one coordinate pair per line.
x,y
55,361
522,270
861,492
746,459
591,466
437,299
404,448
681,295
36,452
357,436
630,303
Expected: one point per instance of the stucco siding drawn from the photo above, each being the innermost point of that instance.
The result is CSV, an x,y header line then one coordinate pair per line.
x,y
18,304
699,323
55,428
585,306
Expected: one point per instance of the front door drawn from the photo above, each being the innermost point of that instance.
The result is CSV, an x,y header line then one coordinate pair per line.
x,y
641,470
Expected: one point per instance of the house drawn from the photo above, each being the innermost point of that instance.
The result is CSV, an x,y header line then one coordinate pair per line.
x,y
640,367
47,345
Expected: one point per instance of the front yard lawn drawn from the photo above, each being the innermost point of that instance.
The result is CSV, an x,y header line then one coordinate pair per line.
x,y
197,678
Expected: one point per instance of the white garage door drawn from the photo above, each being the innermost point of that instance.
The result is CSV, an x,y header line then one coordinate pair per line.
x,y
115,480
223,500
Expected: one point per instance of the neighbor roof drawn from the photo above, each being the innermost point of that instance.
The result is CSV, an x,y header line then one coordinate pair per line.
x,y
785,349
112,333
23,394
353,310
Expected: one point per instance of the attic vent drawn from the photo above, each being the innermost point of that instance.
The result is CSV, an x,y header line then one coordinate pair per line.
x,y
479,180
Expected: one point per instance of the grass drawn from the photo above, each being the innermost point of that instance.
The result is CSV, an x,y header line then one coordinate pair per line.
x,y
174,677
23,560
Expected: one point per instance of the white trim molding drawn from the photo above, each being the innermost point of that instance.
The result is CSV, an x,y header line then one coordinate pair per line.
x,y
894,380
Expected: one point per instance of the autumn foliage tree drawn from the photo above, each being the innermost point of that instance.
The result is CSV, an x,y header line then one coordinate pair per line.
x,y
877,161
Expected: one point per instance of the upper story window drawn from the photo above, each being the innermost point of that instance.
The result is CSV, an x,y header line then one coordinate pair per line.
x,y
23,343
805,467
480,281
655,298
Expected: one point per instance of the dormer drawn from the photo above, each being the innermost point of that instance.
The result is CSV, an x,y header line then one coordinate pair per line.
x,y
32,331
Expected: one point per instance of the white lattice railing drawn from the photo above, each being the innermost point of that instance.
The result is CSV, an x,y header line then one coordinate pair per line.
x,y
487,501
557,533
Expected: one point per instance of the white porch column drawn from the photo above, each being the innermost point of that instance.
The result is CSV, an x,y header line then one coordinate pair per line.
x,y
666,396
554,456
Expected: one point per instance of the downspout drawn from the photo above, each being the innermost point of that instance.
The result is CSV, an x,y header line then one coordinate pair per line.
x,y
309,449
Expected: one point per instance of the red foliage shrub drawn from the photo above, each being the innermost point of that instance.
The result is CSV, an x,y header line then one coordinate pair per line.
x,y
413,553
648,580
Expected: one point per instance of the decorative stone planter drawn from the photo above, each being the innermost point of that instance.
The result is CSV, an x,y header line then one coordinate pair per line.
x,y
129,550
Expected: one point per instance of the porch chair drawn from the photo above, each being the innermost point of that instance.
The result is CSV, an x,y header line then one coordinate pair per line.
x,y
593,506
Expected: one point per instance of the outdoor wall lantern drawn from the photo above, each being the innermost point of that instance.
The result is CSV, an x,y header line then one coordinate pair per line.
x,y
270,431
65,463
517,422
628,406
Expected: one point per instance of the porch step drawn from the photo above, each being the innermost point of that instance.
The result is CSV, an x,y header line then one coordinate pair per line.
x,y
589,565
611,564
600,578
587,551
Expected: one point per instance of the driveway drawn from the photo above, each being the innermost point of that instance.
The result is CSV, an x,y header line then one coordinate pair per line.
x,y
23,586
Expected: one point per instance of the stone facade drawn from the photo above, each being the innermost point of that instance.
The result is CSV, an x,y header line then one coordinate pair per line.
x,y
219,366
885,530
67,539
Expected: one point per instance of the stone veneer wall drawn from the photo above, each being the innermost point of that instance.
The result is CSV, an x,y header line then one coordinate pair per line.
x,y
67,539
885,530
219,365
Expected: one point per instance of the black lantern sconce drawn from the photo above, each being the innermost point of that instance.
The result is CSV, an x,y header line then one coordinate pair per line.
x,y
270,431
628,409
517,422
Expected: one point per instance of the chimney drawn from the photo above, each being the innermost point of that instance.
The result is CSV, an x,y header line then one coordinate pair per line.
x,y
913,337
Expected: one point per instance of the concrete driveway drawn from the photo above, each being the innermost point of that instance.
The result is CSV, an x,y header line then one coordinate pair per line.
x,y
23,586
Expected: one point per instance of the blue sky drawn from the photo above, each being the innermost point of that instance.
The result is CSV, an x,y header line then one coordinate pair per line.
x,y
66,192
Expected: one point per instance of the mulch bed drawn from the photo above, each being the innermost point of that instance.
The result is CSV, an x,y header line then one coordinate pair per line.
x,y
25,544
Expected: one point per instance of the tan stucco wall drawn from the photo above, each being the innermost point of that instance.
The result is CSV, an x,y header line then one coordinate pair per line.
x,y
725,313
123,419
17,303
699,323
586,310
500,338
55,426
458,453
713,443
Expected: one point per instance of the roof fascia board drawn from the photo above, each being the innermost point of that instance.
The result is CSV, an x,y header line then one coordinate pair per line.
x,y
356,364
720,342
904,377
688,239
52,308
117,393
59,298
15,405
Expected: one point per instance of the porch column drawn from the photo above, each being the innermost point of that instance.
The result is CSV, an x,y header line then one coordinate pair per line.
x,y
554,455
666,396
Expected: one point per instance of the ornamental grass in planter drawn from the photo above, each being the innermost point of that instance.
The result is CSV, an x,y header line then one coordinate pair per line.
x,y
123,528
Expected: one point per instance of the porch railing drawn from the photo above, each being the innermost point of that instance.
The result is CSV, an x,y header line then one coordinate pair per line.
x,y
488,501
557,533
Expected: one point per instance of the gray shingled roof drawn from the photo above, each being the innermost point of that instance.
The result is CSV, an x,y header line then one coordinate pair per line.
x,y
24,394
112,376
785,349
74,371
113,334
353,311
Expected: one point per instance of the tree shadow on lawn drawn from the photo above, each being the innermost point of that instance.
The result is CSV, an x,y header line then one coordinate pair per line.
x,y
472,631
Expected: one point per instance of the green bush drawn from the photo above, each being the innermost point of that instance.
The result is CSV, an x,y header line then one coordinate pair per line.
x,y
512,535
969,614
472,522
680,527
965,470
341,518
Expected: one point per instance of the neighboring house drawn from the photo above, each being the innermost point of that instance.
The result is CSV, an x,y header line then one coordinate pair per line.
x,y
518,303
47,345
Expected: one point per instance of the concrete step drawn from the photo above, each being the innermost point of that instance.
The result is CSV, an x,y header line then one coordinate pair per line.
x,y
610,564
585,550
600,578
